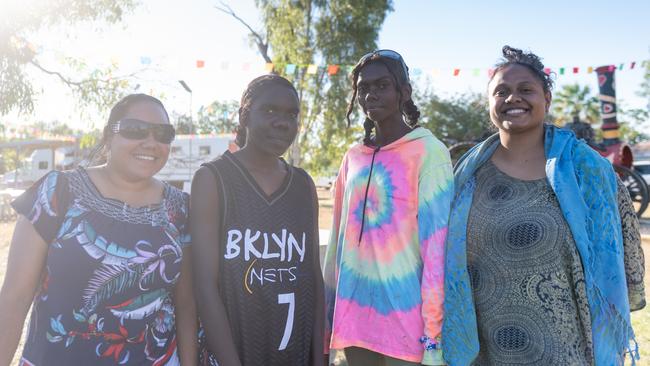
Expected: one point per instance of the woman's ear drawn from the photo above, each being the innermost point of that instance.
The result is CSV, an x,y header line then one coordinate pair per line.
x,y
548,97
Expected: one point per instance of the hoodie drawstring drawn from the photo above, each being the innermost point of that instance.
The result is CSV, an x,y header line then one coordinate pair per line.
x,y
365,197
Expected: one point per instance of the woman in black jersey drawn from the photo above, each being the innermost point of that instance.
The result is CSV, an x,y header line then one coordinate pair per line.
x,y
255,231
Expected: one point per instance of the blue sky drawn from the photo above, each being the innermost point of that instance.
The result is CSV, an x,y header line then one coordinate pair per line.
x,y
434,36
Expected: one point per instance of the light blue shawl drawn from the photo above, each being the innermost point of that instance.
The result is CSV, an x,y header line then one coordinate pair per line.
x,y
586,188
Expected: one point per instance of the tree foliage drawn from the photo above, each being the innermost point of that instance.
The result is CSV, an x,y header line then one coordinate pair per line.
x,y
217,117
645,86
304,32
460,118
575,101
19,57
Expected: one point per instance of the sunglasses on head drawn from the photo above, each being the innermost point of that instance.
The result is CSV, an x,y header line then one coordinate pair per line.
x,y
388,54
135,129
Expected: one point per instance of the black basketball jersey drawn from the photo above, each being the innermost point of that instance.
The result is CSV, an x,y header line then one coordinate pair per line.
x,y
266,264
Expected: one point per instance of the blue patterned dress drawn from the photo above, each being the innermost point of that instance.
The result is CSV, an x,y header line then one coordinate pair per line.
x,y
106,292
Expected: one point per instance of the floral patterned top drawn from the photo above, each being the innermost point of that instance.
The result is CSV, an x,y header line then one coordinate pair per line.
x,y
106,293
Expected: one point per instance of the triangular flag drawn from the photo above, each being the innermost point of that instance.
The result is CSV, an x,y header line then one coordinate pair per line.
x,y
145,60
575,70
620,67
417,72
476,72
561,70
332,69
290,69
435,72
456,72
200,64
611,68
268,67
312,69
547,70
590,70
632,65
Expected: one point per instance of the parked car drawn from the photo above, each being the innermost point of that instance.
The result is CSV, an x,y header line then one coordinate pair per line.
x,y
643,167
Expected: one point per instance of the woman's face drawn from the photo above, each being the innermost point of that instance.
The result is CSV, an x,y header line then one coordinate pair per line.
x,y
139,159
517,100
272,121
377,93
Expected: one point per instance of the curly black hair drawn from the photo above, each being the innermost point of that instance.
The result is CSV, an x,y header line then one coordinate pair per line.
x,y
515,56
399,72
255,88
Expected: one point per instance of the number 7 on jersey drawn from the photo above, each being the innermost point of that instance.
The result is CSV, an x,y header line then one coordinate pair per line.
x,y
291,300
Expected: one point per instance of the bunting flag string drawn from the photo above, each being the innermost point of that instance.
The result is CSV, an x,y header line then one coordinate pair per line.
x,y
338,69
148,61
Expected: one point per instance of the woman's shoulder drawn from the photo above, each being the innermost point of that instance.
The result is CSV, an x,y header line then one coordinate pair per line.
x,y
302,173
583,154
172,192
434,150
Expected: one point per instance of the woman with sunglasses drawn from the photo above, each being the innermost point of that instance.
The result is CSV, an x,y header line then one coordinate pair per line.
x,y
101,255
384,266
550,235
255,237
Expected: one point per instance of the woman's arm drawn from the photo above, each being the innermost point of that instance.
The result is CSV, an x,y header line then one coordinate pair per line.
x,y
205,231
185,310
319,320
435,193
330,275
27,256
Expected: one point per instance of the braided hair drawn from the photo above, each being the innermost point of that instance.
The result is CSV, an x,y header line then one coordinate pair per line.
x,y
119,110
256,87
529,60
399,72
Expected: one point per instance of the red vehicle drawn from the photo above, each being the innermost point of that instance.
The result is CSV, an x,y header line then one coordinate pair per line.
x,y
611,147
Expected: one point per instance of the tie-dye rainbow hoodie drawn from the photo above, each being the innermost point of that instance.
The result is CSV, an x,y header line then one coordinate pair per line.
x,y
384,267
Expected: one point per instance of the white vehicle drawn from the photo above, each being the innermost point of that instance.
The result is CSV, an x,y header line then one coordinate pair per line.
x,y
39,163
187,154
643,168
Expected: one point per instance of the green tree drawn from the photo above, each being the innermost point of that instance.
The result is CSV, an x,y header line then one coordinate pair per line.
x,y
645,85
218,117
303,32
460,118
183,124
19,57
575,101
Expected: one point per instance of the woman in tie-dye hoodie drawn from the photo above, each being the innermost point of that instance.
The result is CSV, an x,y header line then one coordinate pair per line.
x,y
384,266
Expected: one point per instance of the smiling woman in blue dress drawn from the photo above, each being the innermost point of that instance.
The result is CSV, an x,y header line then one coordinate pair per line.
x,y
552,242
102,254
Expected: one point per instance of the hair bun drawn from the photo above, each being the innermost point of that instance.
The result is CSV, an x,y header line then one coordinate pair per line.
x,y
516,55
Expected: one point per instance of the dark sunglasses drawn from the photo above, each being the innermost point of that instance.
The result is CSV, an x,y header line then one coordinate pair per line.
x,y
388,54
135,129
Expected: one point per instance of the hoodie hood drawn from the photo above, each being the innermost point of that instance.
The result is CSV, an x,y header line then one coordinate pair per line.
x,y
416,134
